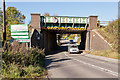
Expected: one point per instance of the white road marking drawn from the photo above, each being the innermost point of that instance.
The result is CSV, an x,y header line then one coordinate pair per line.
x,y
94,66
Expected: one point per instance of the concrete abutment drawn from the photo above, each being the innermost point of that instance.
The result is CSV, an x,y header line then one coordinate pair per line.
x,y
41,38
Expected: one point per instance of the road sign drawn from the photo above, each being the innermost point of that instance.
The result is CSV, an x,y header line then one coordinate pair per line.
x,y
19,32
19,27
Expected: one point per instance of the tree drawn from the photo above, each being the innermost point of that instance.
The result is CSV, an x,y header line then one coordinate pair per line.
x,y
98,23
13,16
1,21
46,14
0,18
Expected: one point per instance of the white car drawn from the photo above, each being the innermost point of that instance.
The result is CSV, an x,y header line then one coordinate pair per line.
x,y
73,48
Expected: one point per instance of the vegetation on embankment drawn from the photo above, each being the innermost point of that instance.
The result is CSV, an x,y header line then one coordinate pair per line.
x,y
23,63
110,33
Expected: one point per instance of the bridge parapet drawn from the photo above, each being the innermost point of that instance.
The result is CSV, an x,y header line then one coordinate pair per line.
x,y
35,21
92,22
64,22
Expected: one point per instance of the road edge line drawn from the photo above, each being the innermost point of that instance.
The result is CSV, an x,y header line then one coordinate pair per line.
x,y
101,69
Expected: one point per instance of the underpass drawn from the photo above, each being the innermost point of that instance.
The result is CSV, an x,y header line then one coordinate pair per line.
x,y
45,29
61,64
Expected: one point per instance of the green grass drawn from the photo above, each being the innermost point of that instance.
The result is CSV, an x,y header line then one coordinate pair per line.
x,y
105,53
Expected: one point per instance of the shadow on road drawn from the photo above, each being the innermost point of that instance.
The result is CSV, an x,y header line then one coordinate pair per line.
x,y
64,48
58,50
50,60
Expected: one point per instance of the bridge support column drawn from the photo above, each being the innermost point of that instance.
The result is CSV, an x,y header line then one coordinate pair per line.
x,y
92,25
87,47
45,41
83,40
52,41
35,24
48,41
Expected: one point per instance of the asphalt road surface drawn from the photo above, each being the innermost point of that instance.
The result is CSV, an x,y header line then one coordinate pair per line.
x,y
61,64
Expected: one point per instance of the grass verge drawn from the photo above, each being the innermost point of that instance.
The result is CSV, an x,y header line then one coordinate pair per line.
x,y
106,53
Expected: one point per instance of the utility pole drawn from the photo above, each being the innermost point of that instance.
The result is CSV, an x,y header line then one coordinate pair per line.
x,y
4,23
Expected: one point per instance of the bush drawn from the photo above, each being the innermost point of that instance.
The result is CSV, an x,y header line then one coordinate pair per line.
x,y
29,63
15,71
31,57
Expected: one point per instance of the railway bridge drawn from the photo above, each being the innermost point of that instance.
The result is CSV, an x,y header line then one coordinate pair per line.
x,y
45,28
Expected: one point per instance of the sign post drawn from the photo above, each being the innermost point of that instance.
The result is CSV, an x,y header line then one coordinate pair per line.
x,y
27,46
30,39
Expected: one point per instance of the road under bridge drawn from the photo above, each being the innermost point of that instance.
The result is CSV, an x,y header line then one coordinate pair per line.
x,y
44,30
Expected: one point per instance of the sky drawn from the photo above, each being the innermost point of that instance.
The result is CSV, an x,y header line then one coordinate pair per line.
x,y
106,11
